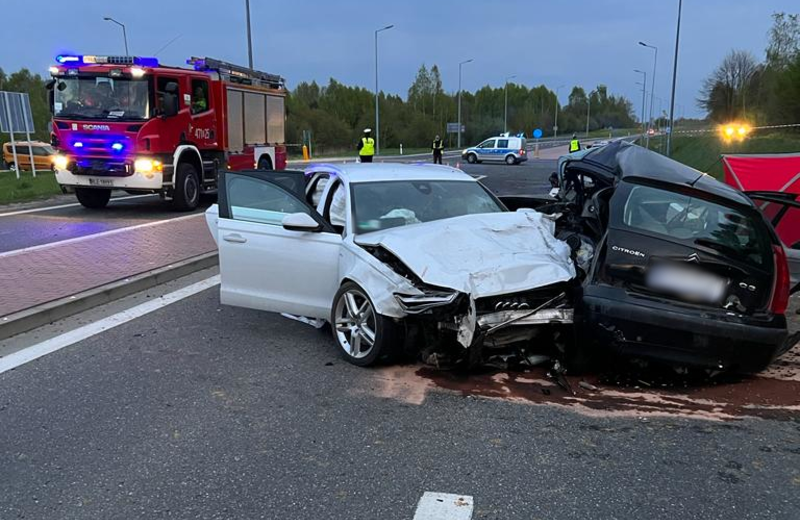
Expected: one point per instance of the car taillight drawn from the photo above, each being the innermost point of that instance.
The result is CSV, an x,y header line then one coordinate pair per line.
x,y
522,152
780,292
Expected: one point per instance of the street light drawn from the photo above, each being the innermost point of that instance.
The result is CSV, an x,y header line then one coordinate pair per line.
x,y
249,38
652,88
589,110
555,125
505,117
459,98
124,34
674,80
644,101
377,108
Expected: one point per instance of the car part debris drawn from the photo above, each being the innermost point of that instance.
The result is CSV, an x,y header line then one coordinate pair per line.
x,y
588,386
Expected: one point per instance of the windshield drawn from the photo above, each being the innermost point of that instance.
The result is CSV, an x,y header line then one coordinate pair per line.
x,y
698,222
100,97
383,205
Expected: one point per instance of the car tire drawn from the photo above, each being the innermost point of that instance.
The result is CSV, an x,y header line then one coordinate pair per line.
x,y
511,160
187,188
93,198
355,323
265,163
12,166
472,158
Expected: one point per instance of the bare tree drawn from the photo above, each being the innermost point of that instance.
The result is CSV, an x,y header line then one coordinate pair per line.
x,y
724,92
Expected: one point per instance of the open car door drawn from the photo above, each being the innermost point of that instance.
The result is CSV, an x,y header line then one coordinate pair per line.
x,y
276,252
783,211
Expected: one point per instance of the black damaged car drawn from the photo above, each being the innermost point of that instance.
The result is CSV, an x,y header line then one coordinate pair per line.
x,y
677,267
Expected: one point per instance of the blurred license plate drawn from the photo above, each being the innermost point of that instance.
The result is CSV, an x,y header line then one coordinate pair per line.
x,y
93,181
692,284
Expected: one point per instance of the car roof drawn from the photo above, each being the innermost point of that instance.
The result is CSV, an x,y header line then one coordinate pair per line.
x,y
26,143
625,160
371,172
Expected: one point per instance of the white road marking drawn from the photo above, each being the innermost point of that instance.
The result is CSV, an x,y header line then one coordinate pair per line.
x,y
33,352
95,235
444,506
70,205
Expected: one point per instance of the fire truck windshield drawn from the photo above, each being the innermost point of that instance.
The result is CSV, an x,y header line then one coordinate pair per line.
x,y
100,97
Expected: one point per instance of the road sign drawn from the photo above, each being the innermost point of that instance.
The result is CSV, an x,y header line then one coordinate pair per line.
x,y
452,128
537,133
16,117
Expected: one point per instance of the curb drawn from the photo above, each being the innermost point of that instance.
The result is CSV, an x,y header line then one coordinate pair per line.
x,y
33,317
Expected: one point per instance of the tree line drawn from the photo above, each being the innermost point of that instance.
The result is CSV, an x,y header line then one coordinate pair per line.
x,y
34,85
761,92
334,115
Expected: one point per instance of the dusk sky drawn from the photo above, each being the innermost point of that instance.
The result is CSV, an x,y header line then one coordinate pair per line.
x,y
583,42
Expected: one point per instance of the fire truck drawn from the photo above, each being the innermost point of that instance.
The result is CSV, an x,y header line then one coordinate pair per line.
x,y
129,123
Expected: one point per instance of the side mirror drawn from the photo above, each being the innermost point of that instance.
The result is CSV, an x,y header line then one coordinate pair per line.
x,y
300,222
554,182
51,100
170,107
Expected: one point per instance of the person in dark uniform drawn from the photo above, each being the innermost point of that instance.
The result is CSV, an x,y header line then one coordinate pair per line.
x,y
438,150
366,146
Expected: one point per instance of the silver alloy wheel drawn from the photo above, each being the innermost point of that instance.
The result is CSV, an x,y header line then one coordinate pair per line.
x,y
355,324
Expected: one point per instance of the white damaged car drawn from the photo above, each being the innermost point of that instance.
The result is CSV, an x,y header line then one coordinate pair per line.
x,y
397,258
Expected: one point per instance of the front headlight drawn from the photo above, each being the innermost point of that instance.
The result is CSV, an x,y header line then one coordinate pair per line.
x,y
147,166
61,162
419,303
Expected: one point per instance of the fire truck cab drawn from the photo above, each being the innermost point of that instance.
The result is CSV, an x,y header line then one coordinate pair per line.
x,y
129,123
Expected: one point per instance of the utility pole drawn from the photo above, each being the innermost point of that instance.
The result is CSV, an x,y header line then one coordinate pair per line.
x,y
652,89
644,100
459,98
555,125
505,116
249,37
674,80
588,110
124,33
377,107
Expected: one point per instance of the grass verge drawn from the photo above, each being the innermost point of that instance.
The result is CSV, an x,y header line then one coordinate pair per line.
x,y
27,187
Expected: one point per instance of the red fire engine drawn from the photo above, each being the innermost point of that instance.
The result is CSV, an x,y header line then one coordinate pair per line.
x,y
124,122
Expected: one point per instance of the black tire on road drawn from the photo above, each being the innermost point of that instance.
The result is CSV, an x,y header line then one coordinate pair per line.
x,y
187,188
511,160
93,198
472,158
264,163
363,336
12,166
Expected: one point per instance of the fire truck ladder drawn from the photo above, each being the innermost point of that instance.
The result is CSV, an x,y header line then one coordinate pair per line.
x,y
237,73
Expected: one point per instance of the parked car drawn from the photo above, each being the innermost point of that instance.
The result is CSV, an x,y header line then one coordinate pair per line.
x,y
510,150
43,155
396,257
675,266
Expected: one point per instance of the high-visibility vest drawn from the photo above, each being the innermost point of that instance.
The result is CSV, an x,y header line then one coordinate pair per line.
x,y
367,146
574,146
438,145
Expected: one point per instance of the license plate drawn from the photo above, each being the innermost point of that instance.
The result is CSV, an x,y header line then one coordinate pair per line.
x,y
93,181
691,284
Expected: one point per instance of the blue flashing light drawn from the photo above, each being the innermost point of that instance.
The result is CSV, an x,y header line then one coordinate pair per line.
x,y
78,144
117,147
146,62
67,58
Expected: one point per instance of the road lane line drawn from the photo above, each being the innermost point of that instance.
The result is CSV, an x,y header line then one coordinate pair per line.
x,y
96,235
444,506
70,205
49,346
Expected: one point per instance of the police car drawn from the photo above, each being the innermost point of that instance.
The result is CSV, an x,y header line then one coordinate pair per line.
x,y
504,148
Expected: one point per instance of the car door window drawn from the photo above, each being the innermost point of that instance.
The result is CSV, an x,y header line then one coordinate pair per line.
x,y
260,201
487,144
502,143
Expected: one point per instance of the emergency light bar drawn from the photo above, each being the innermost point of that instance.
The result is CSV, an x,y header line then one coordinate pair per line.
x,y
70,59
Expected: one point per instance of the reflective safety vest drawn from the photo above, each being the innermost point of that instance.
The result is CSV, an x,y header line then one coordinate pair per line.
x,y
574,146
438,146
367,146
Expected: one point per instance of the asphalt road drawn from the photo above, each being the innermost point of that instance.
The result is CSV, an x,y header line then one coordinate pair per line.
x,y
212,412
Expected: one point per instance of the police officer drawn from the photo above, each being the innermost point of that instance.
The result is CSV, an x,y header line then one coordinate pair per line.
x,y
438,150
366,146
574,144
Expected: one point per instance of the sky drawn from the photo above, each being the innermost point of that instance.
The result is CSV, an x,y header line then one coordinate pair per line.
x,y
576,42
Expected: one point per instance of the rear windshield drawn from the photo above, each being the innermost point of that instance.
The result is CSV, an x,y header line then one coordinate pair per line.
x,y
697,222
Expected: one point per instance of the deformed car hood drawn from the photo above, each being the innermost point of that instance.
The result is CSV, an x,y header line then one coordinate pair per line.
x,y
481,255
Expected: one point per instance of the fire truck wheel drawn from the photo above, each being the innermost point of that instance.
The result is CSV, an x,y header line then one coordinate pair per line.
x,y
264,163
93,198
187,188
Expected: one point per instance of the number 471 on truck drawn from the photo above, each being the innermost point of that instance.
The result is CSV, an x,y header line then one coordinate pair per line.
x,y
129,123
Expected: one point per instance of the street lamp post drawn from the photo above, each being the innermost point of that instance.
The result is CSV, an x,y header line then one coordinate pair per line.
x,y
249,37
377,107
459,98
124,33
555,124
644,101
652,88
674,80
588,110
505,116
